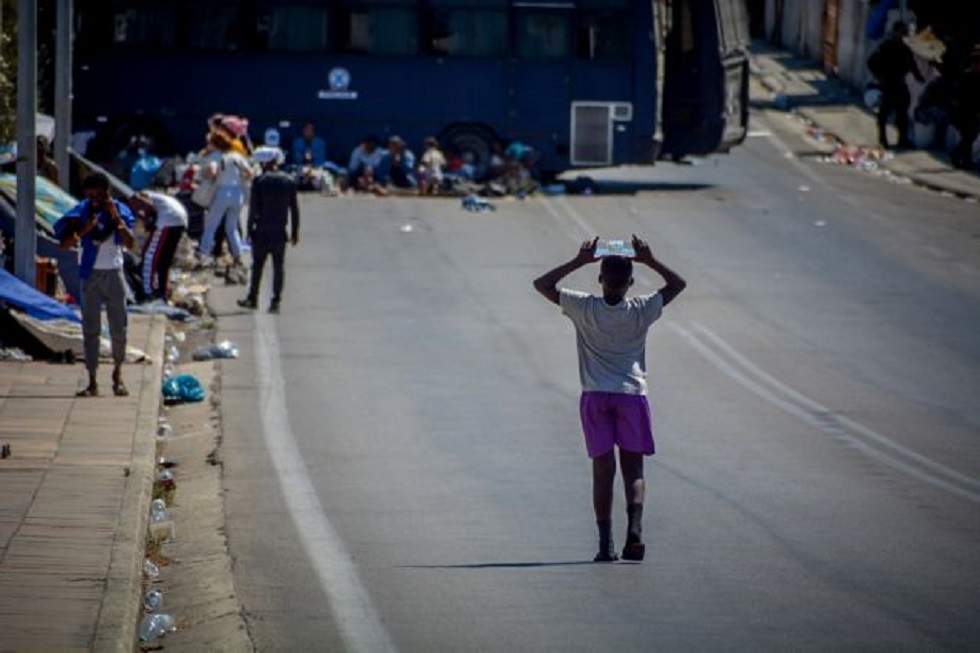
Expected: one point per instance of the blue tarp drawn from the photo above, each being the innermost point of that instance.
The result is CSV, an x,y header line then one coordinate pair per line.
x,y
34,303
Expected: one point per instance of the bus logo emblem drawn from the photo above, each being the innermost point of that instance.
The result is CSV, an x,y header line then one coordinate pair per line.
x,y
339,81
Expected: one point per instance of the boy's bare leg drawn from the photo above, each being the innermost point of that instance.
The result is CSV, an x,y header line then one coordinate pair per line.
x,y
603,480
635,487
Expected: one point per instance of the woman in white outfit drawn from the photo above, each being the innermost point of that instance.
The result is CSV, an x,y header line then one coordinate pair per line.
x,y
232,174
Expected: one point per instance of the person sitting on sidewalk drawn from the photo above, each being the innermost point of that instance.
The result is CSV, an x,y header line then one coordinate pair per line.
x,y
890,63
364,161
104,226
397,167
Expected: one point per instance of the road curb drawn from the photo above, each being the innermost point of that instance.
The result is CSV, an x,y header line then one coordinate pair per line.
x,y
116,626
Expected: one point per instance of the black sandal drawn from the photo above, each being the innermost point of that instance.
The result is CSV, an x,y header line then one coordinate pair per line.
x,y
90,391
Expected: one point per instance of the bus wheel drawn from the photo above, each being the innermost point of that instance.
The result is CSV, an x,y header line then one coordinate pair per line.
x,y
581,185
474,143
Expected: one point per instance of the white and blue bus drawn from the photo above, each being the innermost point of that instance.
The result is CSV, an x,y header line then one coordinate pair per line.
x,y
585,82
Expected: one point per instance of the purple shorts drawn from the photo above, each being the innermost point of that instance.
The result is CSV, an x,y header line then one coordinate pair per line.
x,y
613,418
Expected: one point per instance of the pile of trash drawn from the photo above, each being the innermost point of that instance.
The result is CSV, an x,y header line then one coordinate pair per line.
x,y
855,156
865,158
477,204
15,355
223,349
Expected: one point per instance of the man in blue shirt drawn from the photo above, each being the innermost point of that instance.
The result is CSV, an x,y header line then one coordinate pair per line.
x,y
104,227
309,149
397,166
364,160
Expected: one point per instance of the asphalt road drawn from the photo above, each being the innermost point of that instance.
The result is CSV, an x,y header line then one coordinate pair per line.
x,y
404,467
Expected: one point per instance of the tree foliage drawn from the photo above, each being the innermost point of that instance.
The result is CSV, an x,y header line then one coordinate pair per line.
x,y
8,73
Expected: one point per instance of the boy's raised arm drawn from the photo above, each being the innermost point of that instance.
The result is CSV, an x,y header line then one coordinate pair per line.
x,y
547,283
675,284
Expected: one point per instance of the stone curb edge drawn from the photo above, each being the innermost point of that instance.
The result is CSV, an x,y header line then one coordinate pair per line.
x,y
116,627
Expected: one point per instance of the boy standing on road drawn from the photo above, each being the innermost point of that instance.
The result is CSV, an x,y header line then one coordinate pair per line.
x,y
611,336
272,203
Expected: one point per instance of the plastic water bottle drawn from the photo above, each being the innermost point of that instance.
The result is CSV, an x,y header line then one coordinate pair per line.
x,y
150,570
158,511
153,600
156,625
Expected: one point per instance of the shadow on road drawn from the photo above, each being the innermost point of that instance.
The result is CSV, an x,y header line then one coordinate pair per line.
x,y
503,565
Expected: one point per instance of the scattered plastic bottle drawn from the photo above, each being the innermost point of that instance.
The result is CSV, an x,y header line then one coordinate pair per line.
x,y
156,625
153,600
173,355
161,525
165,430
150,570
158,511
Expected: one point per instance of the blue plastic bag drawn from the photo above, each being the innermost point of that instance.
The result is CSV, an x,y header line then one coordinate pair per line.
x,y
182,388
143,171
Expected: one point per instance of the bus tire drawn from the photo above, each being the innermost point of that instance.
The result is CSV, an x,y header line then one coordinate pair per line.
x,y
470,138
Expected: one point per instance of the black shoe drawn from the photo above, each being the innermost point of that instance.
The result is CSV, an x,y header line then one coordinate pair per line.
x,y
605,556
634,550
248,302
274,308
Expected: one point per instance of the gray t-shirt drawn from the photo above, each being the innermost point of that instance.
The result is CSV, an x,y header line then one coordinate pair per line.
x,y
612,339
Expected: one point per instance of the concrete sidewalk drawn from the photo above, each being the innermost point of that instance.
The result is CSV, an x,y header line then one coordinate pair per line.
x,y
798,85
74,500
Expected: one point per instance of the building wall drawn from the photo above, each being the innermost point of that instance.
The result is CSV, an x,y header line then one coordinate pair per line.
x,y
797,25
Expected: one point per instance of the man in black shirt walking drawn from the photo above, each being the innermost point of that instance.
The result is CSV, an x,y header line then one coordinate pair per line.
x,y
273,205
889,63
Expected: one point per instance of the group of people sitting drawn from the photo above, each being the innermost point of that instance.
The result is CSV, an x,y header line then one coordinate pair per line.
x,y
383,167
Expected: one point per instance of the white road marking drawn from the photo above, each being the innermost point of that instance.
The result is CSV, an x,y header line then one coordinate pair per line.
x,y
360,626
868,441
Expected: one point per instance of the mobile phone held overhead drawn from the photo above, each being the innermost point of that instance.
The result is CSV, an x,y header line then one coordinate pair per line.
x,y
614,248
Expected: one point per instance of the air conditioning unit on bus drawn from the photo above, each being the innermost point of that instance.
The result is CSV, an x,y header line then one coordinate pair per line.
x,y
592,131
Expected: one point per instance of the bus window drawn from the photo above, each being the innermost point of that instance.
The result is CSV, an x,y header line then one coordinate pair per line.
x,y
220,26
603,35
467,33
292,28
543,35
144,26
380,30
